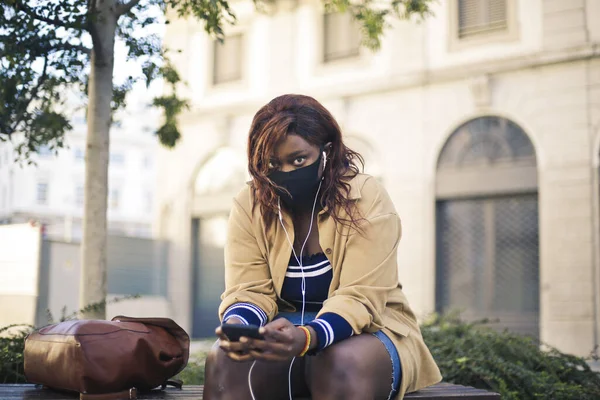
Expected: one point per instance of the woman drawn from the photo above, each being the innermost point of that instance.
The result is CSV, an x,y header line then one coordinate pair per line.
x,y
311,257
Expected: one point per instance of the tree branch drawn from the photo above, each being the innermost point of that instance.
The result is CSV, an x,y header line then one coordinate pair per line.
x,y
34,93
67,46
29,11
91,27
124,8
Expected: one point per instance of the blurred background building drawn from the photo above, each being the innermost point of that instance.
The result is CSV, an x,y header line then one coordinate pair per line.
x,y
482,122
41,209
51,191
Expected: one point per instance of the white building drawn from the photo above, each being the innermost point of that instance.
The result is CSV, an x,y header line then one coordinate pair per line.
x,y
52,191
482,122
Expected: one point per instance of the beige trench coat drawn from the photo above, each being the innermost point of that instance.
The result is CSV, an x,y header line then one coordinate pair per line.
x,y
364,289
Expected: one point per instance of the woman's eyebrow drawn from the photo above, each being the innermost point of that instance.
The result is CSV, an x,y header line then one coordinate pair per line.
x,y
296,153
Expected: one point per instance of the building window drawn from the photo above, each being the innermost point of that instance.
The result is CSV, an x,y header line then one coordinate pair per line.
x,y
487,235
79,195
147,162
114,199
228,59
212,178
79,154
116,158
42,193
79,121
341,36
148,201
44,151
476,17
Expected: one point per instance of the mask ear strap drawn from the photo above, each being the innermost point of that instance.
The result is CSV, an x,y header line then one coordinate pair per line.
x,y
324,164
279,209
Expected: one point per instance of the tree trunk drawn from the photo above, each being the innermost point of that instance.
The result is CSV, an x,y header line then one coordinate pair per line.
x,y
100,90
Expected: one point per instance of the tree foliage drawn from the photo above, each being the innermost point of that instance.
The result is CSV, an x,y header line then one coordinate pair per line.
x,y
46,46
374,16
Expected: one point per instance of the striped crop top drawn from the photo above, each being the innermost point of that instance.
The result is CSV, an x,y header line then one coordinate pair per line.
x,y
330,327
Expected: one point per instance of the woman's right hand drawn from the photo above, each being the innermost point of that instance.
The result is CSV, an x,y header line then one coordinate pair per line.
x,y
237,351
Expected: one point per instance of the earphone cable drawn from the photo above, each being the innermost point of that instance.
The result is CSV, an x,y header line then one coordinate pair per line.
x,y
303,285
299,259
250,381
290,378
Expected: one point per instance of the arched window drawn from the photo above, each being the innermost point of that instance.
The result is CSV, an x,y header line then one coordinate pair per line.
x,y
219,178
487,258
224,171
368,152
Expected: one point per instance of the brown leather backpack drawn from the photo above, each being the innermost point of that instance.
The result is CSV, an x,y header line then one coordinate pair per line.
x,y
106,359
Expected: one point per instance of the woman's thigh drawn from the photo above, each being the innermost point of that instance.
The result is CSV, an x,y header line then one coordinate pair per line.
x,y
359,367
227,379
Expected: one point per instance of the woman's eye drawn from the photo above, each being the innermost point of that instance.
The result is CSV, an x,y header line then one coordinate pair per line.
x,y
272,165
299,160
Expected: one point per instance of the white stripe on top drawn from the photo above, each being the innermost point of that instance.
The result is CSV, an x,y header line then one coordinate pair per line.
x,y
252,308
238,317
328,331
305,267
309,274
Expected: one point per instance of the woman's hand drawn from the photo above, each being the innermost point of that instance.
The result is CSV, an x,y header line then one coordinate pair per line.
x,y
282,341
237,351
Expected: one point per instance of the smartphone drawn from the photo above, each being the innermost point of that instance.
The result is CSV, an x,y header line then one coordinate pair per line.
x,y
235,331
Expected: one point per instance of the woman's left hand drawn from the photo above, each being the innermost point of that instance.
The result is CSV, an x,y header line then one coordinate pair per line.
x,y
282,341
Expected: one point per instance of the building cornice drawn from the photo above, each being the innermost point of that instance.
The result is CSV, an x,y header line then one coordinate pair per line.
x,y
392,83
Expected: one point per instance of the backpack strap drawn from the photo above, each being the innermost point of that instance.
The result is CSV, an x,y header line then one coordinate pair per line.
x,y
177,383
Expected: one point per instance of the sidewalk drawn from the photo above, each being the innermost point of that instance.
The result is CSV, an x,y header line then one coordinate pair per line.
x,y
201,346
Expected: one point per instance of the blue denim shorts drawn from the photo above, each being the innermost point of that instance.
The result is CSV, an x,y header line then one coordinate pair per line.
x,y
296,319
396,365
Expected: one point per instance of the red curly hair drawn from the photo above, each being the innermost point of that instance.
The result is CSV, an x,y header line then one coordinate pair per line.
x,y
307,118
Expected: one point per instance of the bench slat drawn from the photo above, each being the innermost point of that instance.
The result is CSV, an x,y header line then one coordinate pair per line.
x,y
444,391
452,392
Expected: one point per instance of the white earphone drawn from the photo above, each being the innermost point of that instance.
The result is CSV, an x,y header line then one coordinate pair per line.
x,y
303,286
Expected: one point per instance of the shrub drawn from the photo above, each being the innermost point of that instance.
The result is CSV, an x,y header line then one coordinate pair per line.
x,y
11,353
193,374
512,365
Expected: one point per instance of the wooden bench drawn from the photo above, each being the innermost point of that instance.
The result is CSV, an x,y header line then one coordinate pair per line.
x,y
444,391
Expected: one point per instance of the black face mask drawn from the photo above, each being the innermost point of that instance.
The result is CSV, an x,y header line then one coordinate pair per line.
x,y
302,184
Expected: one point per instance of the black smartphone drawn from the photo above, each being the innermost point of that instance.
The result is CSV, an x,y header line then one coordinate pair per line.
x,y
235,331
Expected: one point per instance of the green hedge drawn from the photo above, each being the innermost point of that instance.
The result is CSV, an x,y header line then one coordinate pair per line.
x,y
475,355
193,374
467,353
11,353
